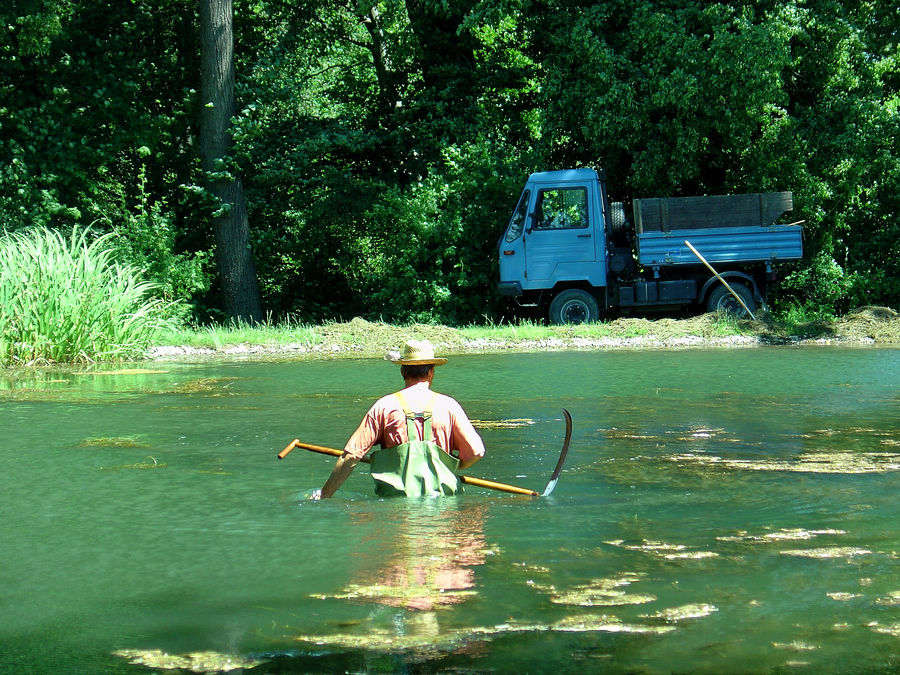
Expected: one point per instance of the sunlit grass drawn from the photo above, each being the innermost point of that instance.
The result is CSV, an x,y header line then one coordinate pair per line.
x,y
373,338
66,299
725,324
365,337
528,330
218,335
518,330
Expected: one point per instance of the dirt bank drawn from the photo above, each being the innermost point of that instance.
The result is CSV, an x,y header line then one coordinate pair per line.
x,y
361,338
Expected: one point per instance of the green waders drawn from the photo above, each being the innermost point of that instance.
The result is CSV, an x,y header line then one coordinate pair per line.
x,y
416,468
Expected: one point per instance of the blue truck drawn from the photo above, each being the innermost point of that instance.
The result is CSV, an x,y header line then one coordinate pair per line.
x,y
574,254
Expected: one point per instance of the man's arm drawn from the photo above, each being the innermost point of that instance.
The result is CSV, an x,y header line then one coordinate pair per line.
x,y
359,444
465,464
343,467
464,438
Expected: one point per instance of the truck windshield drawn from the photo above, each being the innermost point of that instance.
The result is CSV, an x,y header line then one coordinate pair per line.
x,y
561,209
517,222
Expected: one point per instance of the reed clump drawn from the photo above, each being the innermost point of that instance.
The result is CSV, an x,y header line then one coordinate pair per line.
x,y
65,299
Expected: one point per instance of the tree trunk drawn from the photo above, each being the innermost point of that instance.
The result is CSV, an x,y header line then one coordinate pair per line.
x,y
234,259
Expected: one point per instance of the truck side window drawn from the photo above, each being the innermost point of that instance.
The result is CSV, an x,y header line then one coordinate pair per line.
x,y
517,222
561,209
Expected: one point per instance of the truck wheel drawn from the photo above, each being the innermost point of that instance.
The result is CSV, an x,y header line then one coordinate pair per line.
x,y
574,306
617,222
721,299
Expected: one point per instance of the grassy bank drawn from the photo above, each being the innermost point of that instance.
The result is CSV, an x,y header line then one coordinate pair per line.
x,y
358,337
67,299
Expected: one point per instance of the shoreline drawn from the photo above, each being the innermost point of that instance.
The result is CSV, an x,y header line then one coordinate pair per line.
x,y
868,327
361,339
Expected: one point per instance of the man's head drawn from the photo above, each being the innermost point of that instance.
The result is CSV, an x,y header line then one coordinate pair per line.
x,y
417,361
417,373
415,353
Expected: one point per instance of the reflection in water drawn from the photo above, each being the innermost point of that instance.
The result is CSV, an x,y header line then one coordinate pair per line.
x,y
436,546
432,547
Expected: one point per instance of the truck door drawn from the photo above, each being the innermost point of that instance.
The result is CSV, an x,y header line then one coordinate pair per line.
x,y
559,242
512,249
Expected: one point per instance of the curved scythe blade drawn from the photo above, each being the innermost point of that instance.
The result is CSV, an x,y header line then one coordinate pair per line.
x,y
562,457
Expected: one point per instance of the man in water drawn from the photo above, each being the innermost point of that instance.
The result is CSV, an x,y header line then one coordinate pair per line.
x,y
425,437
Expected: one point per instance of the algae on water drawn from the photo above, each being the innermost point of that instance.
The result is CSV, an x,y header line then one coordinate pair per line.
x,y
113,442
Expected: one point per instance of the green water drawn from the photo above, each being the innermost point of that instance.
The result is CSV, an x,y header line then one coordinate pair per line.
x,y
721,511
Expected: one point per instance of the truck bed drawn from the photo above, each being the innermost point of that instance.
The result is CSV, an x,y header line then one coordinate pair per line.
x,y
689,213
722,244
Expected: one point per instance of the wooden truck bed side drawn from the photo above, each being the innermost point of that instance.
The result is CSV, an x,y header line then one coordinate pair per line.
x,y
715,211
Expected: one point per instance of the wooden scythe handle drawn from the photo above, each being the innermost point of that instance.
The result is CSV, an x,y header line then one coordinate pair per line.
x,y
468,480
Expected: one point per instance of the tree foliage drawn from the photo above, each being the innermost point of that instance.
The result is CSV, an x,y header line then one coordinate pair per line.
x,y
383,144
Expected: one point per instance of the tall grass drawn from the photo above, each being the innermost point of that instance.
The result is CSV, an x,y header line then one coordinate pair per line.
x,y
66,299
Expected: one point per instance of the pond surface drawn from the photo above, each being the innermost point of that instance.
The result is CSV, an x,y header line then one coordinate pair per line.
x,y
720,511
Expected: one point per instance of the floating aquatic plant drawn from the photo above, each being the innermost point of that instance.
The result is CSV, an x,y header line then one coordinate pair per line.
x,y
690,555
792,534
843,597
400,595
152,464
121,371
663,550
827,552
603,593
195,662
890,629
682,613
502,424
605,624
812,462
795,646
216,386
113,442
386,640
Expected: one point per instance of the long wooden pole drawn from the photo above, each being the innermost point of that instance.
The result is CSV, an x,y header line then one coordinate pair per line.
x,y
719,277
468,480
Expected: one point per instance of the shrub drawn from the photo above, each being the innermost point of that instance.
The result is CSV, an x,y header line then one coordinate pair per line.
x,y
819,290
66,299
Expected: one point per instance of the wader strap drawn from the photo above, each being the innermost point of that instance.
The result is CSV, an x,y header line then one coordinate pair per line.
x,y
411,417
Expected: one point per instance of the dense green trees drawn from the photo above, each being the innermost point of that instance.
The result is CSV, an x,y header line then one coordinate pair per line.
x,y
381,145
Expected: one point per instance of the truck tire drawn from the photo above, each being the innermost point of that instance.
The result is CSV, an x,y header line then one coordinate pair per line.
x,y
574,306
617,222
721,299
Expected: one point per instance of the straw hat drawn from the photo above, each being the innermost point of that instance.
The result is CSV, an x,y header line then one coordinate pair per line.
x,y
415,353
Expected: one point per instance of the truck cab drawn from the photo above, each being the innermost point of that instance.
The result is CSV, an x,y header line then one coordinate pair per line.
x,y
556,234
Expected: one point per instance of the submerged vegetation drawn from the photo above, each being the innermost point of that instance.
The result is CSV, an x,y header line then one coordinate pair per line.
x,y
67,299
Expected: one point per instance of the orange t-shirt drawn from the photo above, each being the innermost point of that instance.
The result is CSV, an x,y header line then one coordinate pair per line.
x,y
385,423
